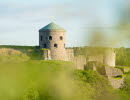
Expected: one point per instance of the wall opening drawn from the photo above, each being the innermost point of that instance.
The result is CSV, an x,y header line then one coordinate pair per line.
x,y
41,38
55,45
64,45
61,38
45,45
50,37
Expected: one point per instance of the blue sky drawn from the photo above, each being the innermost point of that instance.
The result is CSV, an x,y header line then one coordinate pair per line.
x,y
20,20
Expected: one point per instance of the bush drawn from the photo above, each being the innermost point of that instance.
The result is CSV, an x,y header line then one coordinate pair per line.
x,y
97,81
31,94
54,80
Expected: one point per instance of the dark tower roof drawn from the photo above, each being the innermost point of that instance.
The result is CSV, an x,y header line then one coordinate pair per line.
x,y
51,26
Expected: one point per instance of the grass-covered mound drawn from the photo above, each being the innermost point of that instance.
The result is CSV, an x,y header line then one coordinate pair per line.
x,y
18,47
50,80
11,55
33,52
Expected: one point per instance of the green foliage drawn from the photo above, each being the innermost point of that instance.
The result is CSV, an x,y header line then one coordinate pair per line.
x,y
123,56
56,80
31,94
97,81
49,80
124,92
126,86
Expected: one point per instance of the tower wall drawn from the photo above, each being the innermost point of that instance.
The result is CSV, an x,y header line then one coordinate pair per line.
x,y
109,58
54,43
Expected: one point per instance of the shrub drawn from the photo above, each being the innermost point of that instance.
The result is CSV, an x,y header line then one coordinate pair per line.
x,y
31,94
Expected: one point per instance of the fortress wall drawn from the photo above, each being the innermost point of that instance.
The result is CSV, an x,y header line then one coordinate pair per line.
x,y
96,58
79,62
70,54
46,54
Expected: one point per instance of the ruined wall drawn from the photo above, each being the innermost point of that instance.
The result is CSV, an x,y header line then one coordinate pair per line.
x,y
70,54
79,62
112,74
46,54
96,58
116,83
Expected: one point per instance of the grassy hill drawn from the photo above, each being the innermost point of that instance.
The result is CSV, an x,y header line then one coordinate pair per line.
x,y
50,80
35,79
18,47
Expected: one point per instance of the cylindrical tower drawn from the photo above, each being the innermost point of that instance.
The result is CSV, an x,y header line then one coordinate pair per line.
x,y
53,37
109,58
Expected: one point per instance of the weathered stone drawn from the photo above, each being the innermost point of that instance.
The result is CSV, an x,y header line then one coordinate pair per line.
x,y
116,83
54,39
79,62
110,71
109,58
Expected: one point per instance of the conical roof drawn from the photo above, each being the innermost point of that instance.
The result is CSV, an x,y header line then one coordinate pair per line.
x,y
51,26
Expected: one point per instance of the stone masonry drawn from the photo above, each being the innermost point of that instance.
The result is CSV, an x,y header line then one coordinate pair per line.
x,y
53,39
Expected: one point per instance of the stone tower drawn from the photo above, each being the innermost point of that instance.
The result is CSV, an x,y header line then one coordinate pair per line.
x,y
109,58
53,37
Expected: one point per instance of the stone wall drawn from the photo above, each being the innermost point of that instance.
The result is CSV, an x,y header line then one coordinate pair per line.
x,y
112,72
96,58
109,58
116,83
79,62
46,54
70,54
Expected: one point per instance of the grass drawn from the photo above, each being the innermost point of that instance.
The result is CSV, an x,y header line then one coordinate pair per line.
x,y
119,77
27,79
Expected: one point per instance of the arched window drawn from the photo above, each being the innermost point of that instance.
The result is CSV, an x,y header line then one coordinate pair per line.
x,y
50,37
41,38
55,45
61,38
45,45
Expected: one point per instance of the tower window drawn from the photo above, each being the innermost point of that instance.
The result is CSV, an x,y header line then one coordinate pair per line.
x,y
45,45
56,45
61,38
50,37
41,38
